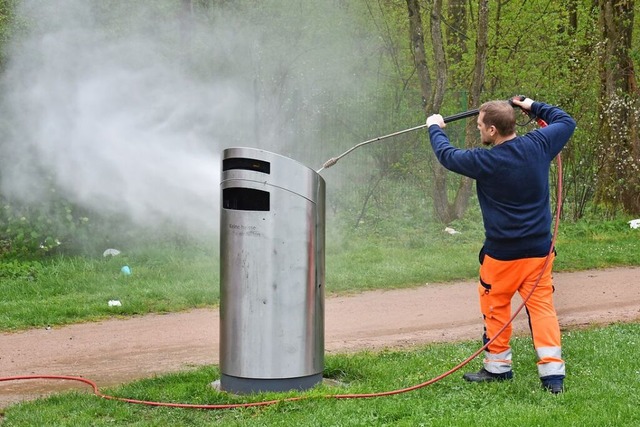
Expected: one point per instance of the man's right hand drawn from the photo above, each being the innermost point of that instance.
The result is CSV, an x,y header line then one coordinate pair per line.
x,y
436,119
525,104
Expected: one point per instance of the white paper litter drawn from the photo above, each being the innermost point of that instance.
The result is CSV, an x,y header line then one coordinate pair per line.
x,y
451,230
634,223
112,252
115,303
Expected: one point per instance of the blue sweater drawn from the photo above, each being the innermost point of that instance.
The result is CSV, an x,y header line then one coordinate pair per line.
x,y
512,182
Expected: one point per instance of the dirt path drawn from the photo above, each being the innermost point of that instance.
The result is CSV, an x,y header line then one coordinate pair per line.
x,y
117,351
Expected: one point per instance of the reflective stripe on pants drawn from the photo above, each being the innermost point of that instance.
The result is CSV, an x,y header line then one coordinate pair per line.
x,y
499,281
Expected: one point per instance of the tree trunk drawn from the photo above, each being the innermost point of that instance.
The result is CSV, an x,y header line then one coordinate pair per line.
x,y
619,180
471,133
440,194
497,34
433,94
438,56
457,35
420,58
456,47
419,55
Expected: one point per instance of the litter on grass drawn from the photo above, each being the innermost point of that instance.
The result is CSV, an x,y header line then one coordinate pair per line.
x,y
110,252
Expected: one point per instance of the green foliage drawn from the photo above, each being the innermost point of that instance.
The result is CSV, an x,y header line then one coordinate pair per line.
x,y
57,227
6,16
28,230
602,374
534,49
618,177
20,270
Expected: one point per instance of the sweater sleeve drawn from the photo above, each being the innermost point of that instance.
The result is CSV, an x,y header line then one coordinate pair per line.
x,y
464,162
560,127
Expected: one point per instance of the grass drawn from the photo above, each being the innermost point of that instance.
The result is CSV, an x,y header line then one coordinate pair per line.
x,y
168,278
602,366
592,244
601,390
364,260
68,290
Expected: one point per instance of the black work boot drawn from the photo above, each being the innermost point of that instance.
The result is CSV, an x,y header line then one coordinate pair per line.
x,y
553,383
484,376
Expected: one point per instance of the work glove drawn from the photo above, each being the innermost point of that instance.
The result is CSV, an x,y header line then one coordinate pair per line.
x,y
436,119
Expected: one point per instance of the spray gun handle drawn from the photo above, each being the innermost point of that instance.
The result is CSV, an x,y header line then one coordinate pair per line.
x,y
459,116
518,97
529,113
521,98
470,113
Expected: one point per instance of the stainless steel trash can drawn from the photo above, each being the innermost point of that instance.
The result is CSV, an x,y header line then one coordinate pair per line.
x,y
272,235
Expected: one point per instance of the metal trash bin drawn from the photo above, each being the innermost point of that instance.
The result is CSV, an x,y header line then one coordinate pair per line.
x,y
272,235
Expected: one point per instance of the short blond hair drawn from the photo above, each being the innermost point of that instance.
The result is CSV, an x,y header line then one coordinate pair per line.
x,y
499,114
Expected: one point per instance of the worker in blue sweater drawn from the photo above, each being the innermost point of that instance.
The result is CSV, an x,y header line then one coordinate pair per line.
x,y
512,180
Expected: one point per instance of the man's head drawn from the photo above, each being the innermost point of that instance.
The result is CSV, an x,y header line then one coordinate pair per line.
x,y
496,122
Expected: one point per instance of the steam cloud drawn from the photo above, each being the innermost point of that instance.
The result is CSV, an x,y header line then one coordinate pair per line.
x,y
125,106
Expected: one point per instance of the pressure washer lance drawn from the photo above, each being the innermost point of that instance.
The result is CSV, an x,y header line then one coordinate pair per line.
x,y
332,161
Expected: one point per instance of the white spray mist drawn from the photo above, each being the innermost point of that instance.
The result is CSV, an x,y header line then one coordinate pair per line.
x,y
128,105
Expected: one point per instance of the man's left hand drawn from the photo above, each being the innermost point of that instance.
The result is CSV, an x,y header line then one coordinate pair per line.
x,y
436,119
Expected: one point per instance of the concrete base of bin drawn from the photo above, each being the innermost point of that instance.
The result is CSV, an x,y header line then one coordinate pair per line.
x,y
238,385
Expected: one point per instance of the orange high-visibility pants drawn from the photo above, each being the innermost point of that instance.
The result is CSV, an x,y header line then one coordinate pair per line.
x,y
499,281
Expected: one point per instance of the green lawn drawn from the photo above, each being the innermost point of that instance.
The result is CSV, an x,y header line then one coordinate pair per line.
x,y
601,390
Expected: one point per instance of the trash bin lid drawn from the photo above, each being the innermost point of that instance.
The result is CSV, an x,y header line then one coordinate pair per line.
x,y
267,168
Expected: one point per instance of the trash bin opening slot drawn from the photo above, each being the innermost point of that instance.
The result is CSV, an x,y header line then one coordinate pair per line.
x,y
245,199
246,164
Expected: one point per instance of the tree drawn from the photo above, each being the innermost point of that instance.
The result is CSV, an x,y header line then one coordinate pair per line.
x,y
433,94
619,179
464,190
431,99
6,15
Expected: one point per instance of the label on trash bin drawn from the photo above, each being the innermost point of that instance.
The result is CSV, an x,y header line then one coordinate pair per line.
x,y
244,230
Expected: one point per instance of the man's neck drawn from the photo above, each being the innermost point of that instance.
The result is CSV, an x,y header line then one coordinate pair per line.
x,y
500,139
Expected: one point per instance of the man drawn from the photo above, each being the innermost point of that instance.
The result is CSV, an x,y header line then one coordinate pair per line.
x,y
512,180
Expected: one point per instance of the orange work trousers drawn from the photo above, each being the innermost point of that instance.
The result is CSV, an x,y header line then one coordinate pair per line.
x,y
499,281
